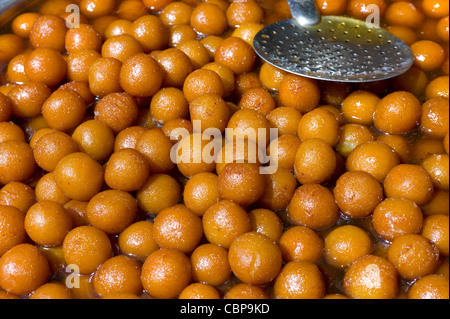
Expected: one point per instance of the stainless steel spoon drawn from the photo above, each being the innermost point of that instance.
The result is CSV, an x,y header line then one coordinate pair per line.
x,y
332,48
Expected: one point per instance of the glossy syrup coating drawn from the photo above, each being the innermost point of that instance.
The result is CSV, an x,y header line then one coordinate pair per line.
x,y
11,132
126,170
360,9
428,55
397,113
177,227
211,110
64,110
278,189
112,210
255,246
18,195
84,37
11,168
284,150
301,243
258,99
160,191
207,18
434,117
199,291
192,156
77,210
435,228
319,123
371,277
95,138
405,14
11,45
373,157
23,268
12,228
149,30
200,82
357,194
413,256
266,222
119,274
128,137
118,110
52,290
300,93
27,98
47,223
327,7
87,247
118,27
241,182
352,135
397,216
104,76
299,280
131,10
47,189
409,181
314,206
237,54
137,239
309,154
176,13
79,176
52,147
201,192
5,107
438,87
271,76
224,221
48,31
168,104
165,273
335,214
437,166
23,23
182,33
429,287
210,264
226,75
345,244
45,65
156,148
246,291
400,144
141,75
247,31
285,119
435,8
121,47
176,66
95,8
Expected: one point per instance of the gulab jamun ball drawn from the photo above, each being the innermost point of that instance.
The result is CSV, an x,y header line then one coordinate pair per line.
x,y
148,152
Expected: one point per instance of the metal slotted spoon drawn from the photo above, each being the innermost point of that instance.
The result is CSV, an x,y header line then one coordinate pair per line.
x,y
331,48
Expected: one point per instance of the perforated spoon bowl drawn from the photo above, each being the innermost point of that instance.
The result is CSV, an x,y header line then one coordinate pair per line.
x,y
332,48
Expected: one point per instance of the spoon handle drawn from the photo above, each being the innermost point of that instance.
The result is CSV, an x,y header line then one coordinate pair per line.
x,y
304,11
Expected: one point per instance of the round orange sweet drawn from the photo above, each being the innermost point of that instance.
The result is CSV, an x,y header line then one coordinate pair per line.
x,y
177,227
165,273
23,269
299,280
254,246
